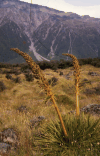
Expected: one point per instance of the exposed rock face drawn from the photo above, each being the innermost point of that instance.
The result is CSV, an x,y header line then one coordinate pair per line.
x,y
45,33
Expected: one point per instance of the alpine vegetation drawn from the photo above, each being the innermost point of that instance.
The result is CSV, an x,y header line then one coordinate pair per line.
x,y
69,136
43,82
77,76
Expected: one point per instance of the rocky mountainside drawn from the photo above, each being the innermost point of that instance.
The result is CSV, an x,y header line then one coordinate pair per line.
x,y
45,33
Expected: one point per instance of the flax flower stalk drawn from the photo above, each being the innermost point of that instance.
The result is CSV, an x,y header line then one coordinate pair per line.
x,y
37,72
77,76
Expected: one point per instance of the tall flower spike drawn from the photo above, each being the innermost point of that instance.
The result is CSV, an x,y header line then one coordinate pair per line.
x,y
77,76
44,83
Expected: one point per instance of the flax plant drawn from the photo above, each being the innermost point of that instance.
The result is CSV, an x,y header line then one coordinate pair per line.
x,y
77,76
38,74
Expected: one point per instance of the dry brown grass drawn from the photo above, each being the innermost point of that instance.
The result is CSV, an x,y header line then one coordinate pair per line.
x,y
29,94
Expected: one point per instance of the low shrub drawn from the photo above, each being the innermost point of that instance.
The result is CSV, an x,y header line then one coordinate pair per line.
x,y
16,80
2,86
52,81
29,77
8,76
61,73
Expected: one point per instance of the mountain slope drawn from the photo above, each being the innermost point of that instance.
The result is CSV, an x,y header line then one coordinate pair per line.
x,y
46,33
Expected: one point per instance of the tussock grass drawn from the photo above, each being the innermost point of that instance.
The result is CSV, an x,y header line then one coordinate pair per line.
x,y
83,132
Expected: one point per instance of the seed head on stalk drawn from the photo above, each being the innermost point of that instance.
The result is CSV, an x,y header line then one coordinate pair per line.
x,y
77,77
43,82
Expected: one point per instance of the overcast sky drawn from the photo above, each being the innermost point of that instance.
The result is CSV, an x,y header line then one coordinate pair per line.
x,y
81,7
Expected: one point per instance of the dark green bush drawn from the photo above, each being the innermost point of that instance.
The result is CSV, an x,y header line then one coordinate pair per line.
x,y
8,76
61,73
54,64
12,71
5,65
0,71
44,65
52,81
29,77
2,86
94,62
98,64
16,80
24,67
